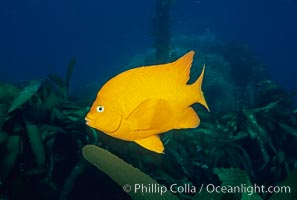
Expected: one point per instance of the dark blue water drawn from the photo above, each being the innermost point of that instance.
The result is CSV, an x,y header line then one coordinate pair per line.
x,y
40,37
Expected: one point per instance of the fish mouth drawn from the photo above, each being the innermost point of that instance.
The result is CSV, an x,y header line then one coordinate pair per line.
x,y
113,125
89,121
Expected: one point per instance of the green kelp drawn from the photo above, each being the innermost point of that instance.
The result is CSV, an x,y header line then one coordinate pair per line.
x,y
36,143
123,173
69,73
8,160
8,92
238,186
236,183
288,194
25,95
235,179
34,120
12,142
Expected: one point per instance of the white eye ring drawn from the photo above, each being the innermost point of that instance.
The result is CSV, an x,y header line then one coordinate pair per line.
x,y
100,108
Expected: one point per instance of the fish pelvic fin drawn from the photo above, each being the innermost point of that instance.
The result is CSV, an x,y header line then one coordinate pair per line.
x,y
199,92
188,119
152,143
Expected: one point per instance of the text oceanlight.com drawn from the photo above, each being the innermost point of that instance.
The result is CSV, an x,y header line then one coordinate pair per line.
x,y
210,188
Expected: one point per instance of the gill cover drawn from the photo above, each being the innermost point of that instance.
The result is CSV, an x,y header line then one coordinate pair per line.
x,y
105,118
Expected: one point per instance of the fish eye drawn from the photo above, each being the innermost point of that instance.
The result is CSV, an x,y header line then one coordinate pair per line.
x,y
100,108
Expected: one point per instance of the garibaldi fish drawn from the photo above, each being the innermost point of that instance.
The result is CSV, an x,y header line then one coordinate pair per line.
x,y
141,103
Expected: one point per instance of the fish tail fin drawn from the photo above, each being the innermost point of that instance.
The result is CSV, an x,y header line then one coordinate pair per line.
x,y
199,92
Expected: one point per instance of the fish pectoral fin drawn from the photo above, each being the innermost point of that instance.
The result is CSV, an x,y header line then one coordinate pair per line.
x,y
188,119
150,114
152,143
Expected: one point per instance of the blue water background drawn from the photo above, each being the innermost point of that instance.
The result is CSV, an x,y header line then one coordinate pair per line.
x,y
40,37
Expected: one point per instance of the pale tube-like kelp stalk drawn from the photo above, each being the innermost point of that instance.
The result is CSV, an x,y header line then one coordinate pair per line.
x,y
123,173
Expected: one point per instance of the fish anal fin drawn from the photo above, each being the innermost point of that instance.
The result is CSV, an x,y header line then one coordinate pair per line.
x,y
188,119
152,143
150,114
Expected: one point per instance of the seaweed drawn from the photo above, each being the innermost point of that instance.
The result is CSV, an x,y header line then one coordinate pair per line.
x,y
248,137
25,95
69,72
289,182
33,118
127,177
236,179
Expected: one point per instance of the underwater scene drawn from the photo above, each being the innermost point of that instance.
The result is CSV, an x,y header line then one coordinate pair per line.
x,y
161,99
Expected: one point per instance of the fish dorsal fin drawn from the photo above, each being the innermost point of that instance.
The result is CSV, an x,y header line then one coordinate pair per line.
x,y
152,143
148,115
182,67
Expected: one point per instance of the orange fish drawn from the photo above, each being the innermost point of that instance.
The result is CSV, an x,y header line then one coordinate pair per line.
x,y
141,103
